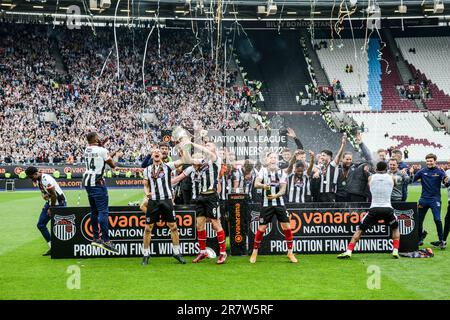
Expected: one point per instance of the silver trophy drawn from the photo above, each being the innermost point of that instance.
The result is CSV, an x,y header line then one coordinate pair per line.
x,y
182,138
179,134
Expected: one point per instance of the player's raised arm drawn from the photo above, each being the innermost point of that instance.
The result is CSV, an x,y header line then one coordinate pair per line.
x,y
364,151
311,163
109,161
291,134
340,152
182,175
211,155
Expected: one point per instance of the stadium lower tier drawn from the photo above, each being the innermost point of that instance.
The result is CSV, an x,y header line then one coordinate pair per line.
x,y
402,130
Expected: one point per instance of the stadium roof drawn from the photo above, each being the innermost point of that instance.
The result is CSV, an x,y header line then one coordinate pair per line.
x,y
237,9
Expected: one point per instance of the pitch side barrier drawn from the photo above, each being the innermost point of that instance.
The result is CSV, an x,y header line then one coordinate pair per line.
x,y
24,184
317,228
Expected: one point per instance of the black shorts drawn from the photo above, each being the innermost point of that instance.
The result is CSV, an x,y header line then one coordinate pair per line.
x,y
207,205
267,214
159,210
376,214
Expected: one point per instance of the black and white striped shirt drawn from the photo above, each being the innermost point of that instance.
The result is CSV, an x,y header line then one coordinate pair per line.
x,y
196,178
159,178
274,179
95,158
329,178
299,188
249,185
209,175
225,186
238,175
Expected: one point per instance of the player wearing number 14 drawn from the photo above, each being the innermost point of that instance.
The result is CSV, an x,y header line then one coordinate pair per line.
x,y
96,157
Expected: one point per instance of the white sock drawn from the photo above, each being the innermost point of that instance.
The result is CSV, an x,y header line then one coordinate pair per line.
x,y
349,251
202,251
289,251
49,244
395,251
146,252
176,249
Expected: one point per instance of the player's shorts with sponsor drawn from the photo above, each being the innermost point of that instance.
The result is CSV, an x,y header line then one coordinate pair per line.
x,y
267,214
159,210
207,205
377,214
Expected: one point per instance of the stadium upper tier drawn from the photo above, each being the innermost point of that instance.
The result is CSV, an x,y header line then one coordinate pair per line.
x,y
402,130
344,53
431,57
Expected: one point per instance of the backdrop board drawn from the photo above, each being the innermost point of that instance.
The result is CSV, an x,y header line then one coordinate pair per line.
x,y
72,233
328,227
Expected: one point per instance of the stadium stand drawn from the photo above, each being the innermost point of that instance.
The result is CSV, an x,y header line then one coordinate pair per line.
x,y
283,72
428,59
438,100
390,78
403,129
30,88
334,62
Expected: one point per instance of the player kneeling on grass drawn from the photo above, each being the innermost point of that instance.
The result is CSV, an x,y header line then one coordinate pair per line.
x,y
381,185
158,203
273,181
52,194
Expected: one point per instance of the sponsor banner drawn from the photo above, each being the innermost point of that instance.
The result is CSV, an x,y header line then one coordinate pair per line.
x,y
72,233
237,213
327,228
77,170
76,183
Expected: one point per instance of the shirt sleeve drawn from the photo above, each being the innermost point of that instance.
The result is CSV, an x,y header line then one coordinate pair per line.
x,y
146,173
418,175
188,170
171,165
47,182
105,154
261,175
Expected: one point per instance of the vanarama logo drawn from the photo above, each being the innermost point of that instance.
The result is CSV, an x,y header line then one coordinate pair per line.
x,y
237,212
128,220
300,218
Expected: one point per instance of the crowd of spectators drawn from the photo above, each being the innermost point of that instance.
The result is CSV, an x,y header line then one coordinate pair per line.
x,y
46,105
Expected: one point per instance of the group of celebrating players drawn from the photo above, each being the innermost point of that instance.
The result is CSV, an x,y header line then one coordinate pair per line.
x,y
204,176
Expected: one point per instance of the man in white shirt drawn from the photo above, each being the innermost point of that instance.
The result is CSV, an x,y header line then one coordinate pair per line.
x,y
53,196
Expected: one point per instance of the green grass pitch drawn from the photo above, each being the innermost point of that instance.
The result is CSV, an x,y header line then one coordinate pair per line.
x,y
25,274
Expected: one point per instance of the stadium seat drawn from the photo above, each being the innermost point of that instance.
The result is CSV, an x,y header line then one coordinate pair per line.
x,y
405,129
